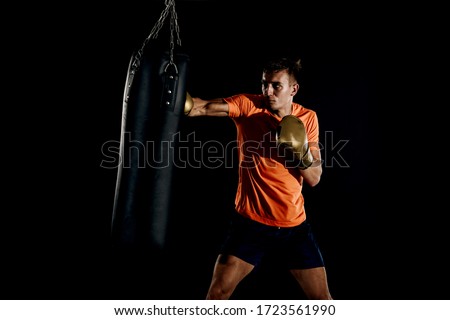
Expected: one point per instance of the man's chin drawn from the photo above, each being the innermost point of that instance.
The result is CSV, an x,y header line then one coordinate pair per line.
x,y
274,106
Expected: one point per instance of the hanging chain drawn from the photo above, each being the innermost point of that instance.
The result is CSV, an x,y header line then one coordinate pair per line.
x,y
173,26
170,7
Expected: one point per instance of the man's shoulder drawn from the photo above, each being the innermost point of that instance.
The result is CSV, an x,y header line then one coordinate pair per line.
x,y
247,103
299,110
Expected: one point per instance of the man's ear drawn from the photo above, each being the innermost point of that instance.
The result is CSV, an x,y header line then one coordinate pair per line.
x,y
295,88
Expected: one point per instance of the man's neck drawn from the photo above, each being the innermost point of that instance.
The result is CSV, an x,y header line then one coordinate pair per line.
x,y
283,112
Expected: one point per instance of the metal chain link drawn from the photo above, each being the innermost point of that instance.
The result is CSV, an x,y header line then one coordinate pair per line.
x,y
170,7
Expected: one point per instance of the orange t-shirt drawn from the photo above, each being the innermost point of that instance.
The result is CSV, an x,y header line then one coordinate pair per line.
x,y
269,191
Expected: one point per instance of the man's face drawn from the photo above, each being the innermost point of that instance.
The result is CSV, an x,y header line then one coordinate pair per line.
x,y
278,89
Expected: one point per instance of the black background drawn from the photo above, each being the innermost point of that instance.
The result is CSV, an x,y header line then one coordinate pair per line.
x,y
56,230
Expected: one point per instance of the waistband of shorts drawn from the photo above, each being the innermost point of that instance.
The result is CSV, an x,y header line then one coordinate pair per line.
x,y
239,218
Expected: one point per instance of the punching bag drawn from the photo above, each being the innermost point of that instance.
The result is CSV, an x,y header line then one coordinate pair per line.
x,y
153,104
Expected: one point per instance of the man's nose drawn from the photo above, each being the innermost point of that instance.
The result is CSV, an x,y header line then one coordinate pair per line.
x,y
268,90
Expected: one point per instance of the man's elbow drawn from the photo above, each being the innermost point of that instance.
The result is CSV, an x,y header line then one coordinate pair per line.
x,y
314,181
312,176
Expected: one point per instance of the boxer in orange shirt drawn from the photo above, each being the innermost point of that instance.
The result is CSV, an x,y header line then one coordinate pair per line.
x,y
278,147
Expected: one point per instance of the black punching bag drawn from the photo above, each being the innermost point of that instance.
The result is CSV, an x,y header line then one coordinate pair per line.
x,y
154,98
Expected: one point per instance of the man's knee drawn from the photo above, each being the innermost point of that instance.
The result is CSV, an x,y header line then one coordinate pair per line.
x,y
217,292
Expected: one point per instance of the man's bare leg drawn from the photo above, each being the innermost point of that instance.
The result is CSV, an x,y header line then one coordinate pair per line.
x,y
313,282
228,272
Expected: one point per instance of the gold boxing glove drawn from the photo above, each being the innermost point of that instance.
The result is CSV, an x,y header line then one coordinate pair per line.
x,y
291,134
189,104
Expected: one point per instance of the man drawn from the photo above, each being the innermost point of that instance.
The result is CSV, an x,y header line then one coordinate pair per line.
x,y
270,214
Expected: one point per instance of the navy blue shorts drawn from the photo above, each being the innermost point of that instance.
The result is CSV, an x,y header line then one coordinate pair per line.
x,y
293,247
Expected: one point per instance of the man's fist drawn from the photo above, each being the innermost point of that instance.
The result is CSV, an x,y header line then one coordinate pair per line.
x,y
189,104
291,134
